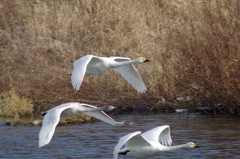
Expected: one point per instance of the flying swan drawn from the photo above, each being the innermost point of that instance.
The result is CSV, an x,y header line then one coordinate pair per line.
x,y
52,117
142,145
91,64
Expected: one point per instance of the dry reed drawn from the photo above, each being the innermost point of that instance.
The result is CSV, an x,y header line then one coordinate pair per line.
x,y
193,46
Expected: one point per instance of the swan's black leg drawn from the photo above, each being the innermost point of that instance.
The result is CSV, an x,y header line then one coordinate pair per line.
x,y
124,153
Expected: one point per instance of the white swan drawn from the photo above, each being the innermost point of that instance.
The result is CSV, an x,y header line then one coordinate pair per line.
x,y
52,117
90,64
148,143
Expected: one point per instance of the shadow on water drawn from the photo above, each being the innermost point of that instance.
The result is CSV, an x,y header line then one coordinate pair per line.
x,y
218,137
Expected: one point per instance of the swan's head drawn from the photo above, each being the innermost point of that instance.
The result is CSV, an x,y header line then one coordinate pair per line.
x,y
192,145
108,108
141,60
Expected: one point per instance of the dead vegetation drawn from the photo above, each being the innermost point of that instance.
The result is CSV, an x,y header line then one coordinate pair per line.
x,y
193,46
11,105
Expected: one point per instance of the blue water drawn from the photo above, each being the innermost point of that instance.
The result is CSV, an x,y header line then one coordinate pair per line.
x,y
218,137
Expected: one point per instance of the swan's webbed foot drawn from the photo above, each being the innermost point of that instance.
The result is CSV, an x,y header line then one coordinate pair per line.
x,y
124,153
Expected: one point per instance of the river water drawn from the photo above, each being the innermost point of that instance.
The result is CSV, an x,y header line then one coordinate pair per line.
x,y
218,137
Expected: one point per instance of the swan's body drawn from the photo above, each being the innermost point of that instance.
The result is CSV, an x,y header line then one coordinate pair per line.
x,y
52,117
146,144
90,64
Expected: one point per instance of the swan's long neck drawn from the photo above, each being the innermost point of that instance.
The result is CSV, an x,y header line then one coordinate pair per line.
x,y
93,109
172,148
122,63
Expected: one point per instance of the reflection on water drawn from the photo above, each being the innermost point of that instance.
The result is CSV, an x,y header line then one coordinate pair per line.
x,y
218,137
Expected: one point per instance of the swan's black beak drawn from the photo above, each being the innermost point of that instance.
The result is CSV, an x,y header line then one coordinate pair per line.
x,y
196,146
43,113
115,108
146,60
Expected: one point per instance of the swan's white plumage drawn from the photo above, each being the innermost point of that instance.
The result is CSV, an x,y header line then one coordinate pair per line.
x,y
90,64
78,73
132,76
142,145
160,133
103,117
49,123
53,116
129,140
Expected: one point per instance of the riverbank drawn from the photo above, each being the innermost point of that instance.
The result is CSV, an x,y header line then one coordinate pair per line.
x,y
129,106
193,48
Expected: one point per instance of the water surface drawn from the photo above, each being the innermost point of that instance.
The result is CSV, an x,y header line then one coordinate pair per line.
x,y
218,137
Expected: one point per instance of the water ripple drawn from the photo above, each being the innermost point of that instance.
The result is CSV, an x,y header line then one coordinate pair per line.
x,y
218,137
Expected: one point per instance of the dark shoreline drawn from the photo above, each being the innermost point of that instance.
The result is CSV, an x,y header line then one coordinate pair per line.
x,y
145,109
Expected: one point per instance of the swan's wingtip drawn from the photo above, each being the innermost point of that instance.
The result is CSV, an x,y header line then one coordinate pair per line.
x,y
120,123
40,145
142,91
115,156
75,88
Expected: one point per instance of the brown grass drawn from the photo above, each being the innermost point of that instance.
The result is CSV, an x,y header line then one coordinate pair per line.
x,y
193,46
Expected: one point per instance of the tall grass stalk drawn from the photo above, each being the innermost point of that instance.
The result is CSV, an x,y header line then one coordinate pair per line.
x,y
193,46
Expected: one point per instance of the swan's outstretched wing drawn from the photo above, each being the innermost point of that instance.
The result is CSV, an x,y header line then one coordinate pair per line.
x,y
132,139
160,133
130,74
101,115
49,124
79,70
